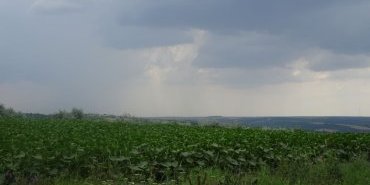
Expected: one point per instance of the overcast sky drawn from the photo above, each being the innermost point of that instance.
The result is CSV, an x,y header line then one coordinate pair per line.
x,y
186,57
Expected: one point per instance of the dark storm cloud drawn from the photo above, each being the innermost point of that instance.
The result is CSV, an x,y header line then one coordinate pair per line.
x,y
218,14
324,61
143,37
337,26
59,49
59,6
251,50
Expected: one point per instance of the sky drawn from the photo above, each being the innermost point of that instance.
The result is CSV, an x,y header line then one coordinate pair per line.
x,y
186,57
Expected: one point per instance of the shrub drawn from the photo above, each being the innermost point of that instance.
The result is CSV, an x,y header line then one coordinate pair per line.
x,y
62,114
6,112
77,113
2,109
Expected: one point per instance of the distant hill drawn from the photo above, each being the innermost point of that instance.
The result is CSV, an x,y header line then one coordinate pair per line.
x,y
326,124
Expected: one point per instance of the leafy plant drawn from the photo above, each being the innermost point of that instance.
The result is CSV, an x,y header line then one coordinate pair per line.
x,y
142,150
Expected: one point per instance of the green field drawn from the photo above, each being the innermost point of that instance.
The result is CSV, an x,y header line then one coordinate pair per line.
x,y
52,151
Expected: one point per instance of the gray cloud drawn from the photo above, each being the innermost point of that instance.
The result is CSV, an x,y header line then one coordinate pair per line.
x,y
58,6
247,50
337,26
217,14
323,60
56,61
130,37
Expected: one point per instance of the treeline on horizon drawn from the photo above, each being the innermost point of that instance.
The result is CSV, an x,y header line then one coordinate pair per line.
x,y
317,124
74,113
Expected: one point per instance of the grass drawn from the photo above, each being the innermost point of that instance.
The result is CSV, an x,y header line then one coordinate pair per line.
x,y
356,172
349,173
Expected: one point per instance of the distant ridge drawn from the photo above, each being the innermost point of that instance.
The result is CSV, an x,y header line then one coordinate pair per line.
x,y
311,123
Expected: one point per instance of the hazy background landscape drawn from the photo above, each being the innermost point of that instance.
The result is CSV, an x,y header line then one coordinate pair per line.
x,y
324,124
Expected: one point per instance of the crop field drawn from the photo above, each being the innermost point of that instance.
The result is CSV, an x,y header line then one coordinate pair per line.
x,y
139,150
